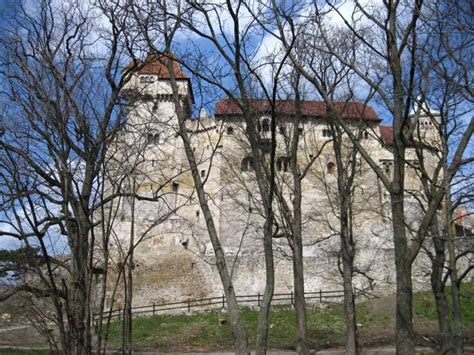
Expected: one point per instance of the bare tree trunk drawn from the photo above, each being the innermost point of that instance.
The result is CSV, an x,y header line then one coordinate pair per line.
x,y
405,337
345,179
78,325
347,249
239,332
453,274
263,316
298,280
437,286
302,346
128,319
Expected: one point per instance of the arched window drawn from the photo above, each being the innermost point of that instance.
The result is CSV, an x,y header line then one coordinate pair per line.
x,y
247,164
153,139
282,164
263,125
331,168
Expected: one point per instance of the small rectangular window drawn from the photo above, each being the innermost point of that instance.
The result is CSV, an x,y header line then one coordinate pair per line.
x,y
197,215
203,173
327,133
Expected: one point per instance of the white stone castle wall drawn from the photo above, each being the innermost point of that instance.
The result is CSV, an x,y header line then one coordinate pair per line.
x,y
174,261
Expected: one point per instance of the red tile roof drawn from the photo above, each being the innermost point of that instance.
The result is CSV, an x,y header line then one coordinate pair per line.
x,y
308,108
155,64
386,133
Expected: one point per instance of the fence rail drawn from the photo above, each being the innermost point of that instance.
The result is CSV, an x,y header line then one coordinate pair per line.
x,y
220,302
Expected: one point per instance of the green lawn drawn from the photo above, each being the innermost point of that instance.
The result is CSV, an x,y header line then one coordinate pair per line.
x,y
325,325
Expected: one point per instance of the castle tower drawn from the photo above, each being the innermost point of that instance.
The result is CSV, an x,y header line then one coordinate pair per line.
x,y
150,89
152,125
427,123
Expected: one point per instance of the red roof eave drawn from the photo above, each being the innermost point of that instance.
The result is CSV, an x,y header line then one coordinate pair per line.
x,y
352,110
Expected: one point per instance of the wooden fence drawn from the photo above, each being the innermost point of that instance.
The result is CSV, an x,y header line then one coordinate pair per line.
x,y
220,302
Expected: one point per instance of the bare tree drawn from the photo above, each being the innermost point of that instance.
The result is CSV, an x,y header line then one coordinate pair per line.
x,y
53,151
208,24
393,42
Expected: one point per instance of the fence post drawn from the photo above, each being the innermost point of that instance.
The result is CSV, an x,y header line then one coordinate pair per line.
x,y
120,314
153,308
258,300
189,305
223,301
291,298
320,296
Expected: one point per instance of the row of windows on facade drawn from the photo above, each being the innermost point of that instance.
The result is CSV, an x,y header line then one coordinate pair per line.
x,y
282,164
265,127
147,79
154,139
426,124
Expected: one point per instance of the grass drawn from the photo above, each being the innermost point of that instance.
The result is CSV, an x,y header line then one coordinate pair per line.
x,y
424,305
25,352
326,327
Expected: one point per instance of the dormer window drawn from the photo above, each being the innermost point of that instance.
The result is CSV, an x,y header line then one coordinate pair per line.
x,y
147,79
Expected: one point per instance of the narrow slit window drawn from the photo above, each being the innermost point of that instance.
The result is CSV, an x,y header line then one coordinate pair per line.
x,y
282,164
175,186
247,164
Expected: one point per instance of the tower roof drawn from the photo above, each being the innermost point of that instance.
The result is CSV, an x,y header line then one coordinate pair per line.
x,y
155,64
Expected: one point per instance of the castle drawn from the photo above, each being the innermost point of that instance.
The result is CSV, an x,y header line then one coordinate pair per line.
x,y
174,258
